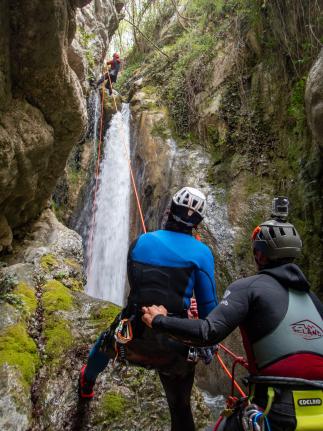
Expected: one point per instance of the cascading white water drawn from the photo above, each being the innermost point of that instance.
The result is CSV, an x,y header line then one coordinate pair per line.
x,y
80,220
107,265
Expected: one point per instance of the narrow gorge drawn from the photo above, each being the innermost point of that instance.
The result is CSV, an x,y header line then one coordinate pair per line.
x,y
224,96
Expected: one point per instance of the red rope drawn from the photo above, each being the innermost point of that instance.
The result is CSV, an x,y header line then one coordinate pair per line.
x,y
226,370
218,422
238,359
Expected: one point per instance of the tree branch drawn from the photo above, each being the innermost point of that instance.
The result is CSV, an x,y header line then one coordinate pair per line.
x,y
147,38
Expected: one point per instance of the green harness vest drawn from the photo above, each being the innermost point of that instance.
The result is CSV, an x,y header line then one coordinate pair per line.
x,y
301,330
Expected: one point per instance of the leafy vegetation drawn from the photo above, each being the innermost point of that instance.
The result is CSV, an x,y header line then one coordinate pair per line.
x,y
253,121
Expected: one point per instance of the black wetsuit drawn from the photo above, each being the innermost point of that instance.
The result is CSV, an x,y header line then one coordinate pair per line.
x,y
259,305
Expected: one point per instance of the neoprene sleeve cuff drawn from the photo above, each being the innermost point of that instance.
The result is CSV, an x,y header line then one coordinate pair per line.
x,y
186,330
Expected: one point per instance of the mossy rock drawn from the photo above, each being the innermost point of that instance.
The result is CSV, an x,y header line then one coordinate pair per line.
x,y
18,349
73,264
27,295
104,316
56,297
58,339
74,284
111,408
48,262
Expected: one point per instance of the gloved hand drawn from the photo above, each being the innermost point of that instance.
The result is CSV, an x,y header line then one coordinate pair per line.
x,y
192,312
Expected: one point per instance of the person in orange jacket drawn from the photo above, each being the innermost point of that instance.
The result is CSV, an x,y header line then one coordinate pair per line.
x,y
114,64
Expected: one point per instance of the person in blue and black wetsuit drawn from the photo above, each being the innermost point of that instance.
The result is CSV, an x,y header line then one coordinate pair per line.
x,y
165,267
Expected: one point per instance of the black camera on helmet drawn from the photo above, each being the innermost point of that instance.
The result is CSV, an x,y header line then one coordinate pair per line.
x,y
280,208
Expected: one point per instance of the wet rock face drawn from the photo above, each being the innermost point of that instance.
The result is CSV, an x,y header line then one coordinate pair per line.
x,y
44,75
96,22
153,153
41,103
313,170
47,327
314,100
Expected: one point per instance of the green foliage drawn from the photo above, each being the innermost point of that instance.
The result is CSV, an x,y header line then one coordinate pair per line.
x,y
73,175
57,209
126,75
19,350
104,316
243,248
48,262
85,41
186,76
56,297
296,108
161,129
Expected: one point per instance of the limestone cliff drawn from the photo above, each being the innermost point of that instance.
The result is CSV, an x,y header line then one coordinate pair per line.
x,y
95,25
42,104
232,81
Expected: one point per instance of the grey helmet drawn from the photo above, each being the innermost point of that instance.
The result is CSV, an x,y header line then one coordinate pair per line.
x,y
277,240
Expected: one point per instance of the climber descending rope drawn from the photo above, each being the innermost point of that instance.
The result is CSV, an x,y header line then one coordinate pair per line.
x,y
107,76
123,341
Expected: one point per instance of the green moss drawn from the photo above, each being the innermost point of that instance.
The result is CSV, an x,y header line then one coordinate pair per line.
x,y
48,262
56,297
27,295
74,175
18,349
75,285
58,338
113,406
103,317
160,129
73,263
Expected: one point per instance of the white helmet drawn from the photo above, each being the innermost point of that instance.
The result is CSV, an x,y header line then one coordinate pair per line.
x,y
189,206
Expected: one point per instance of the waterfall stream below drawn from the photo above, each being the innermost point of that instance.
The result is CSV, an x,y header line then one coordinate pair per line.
x,y
108,244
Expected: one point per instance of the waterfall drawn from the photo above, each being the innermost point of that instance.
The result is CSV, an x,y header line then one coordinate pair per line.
x,y
80,221
107,271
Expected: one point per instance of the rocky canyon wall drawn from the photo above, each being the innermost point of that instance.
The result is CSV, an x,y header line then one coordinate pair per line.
x,y
45,64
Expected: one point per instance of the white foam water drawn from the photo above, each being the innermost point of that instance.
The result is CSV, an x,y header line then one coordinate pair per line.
x,y
108,262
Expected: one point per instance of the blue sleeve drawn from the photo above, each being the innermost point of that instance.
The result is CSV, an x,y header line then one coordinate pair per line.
x,y
204,288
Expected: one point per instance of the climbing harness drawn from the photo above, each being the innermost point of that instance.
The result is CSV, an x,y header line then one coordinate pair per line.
x,y
308,399
123,332
122,335
254,419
